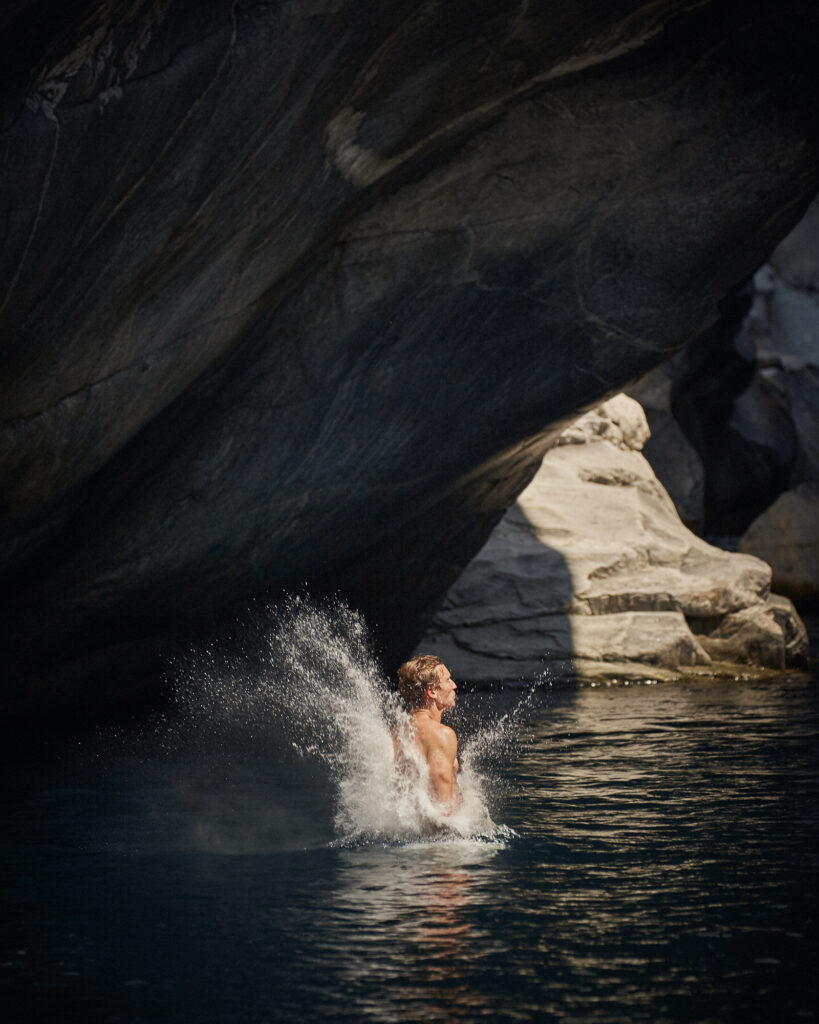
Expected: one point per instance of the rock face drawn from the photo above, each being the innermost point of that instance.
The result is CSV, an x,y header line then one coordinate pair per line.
x,y
593,573
673,458
787,536
780,408
753,414
292,294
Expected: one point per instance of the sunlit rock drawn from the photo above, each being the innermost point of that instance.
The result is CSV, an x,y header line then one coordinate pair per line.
x,y
593,572
673,458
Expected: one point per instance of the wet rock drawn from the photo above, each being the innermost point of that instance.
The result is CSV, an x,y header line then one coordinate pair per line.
x,y
768,633
593,568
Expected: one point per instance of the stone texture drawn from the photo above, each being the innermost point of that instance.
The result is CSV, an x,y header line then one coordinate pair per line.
x,y
673,458
767,633
780,407
295,295
787,537
735,420
796,258
593,569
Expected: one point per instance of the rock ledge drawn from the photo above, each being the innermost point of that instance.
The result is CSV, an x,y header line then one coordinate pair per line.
x,y
593,574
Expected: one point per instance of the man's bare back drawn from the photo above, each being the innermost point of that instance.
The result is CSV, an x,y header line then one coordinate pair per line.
x,y
431,689
439,745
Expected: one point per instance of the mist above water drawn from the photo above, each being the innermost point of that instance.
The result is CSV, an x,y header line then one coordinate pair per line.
x,y
305,676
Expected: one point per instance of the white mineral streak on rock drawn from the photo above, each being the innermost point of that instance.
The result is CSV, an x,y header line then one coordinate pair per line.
x,y
593,572
359,166
95,53
363,167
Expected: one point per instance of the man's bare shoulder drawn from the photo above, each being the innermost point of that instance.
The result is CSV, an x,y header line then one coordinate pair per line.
x,y
441,737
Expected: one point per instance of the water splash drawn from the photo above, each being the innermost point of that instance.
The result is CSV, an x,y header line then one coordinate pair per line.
x,y
310,671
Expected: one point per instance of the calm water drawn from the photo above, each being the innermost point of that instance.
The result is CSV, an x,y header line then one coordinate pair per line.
x,y
664,868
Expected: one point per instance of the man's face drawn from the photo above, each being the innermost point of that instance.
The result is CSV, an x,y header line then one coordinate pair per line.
x,y
444,688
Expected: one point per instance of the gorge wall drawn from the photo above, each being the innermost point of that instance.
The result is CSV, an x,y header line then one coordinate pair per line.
x,y
292,295
735,418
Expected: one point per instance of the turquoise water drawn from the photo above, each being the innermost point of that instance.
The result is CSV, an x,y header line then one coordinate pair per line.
x,y
658,862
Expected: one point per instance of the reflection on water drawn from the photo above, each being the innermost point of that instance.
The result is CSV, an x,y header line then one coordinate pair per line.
x,y
664,869
416,907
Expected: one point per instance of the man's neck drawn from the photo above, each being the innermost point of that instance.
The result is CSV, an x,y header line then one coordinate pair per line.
x,y
432,712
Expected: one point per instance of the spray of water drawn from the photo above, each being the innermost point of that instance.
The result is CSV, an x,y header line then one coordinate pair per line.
x,y
311,671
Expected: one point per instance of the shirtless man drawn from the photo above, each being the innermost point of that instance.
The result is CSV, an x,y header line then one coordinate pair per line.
x,y
429,690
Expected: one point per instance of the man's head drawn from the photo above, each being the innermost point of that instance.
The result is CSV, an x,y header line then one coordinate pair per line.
x,y
424,679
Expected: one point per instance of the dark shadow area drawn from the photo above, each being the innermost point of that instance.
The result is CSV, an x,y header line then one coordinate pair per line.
x,y
742,478
505,620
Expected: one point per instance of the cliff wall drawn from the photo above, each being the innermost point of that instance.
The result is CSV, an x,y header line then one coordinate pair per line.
x,y
293,294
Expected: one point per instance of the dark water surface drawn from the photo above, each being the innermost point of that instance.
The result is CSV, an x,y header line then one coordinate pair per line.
x,y
665,869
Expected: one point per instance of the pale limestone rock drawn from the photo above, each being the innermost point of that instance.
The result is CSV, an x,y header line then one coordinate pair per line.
x,y
672,456
620,421
787,536
593,567
755,635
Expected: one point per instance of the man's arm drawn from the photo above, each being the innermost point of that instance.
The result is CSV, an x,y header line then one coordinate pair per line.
x,y
442,759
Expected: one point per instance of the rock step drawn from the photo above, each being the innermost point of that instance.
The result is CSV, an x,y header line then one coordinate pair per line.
x,y
580,579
